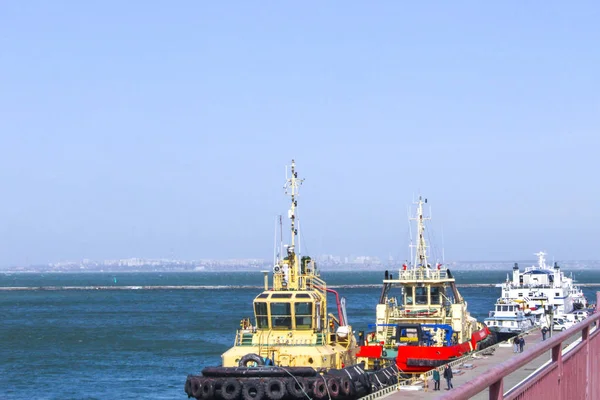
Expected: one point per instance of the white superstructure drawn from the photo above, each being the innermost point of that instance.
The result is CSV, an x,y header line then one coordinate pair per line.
x,y
542,286
579,300
510,318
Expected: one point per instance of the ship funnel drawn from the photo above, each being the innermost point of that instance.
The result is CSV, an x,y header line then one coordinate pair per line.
x,y
516,275
557,275
386,275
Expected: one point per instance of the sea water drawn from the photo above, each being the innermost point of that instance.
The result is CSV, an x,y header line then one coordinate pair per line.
x,y
128,344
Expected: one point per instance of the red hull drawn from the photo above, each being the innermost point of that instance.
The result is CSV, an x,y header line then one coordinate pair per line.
x,y
417,359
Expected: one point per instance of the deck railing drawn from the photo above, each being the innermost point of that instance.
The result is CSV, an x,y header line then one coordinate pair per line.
x,y
574,376
421,274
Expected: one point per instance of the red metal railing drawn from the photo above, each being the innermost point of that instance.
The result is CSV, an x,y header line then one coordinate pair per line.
x,y
574,377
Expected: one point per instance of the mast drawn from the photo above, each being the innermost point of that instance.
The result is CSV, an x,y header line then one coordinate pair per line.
x,y
291,188
280,237
275,252
541,259
421,253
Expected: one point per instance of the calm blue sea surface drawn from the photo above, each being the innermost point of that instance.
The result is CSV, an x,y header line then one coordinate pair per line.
x,y
128,344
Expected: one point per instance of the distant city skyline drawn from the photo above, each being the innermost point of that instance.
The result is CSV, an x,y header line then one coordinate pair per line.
x,y
326,262
163,131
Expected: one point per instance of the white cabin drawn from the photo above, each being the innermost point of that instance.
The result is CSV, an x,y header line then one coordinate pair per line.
x,y
542,286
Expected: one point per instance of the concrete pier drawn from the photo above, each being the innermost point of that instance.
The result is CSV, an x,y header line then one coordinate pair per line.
x,y
477,366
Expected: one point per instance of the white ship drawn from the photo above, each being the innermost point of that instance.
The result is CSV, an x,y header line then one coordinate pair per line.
x,y
544,288
509,319
579,300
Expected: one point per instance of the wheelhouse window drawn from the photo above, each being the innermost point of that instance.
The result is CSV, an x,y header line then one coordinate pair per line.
x,y
435,295
303,312
281,316
408,295
421,295
281,296
262,318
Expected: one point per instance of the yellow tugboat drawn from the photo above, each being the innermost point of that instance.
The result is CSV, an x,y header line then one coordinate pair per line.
x,y
294,348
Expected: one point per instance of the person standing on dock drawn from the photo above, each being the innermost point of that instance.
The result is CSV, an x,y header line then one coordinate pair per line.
x,y
544,332
521,344
516,344
436,379
448,376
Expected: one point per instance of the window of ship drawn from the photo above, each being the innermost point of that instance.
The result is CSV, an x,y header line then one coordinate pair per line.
x,y
421,295
435,295
303,296
408,295
303,313
262,296
262,318
281,316
504,308
281,296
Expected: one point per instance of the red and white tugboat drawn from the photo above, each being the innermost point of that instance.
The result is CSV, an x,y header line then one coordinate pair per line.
x,y
427,324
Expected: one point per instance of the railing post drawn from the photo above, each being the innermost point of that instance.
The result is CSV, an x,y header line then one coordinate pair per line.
x,y
585,339
557,358
497,390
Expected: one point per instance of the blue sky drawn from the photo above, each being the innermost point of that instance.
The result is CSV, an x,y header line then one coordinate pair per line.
x,y
153,129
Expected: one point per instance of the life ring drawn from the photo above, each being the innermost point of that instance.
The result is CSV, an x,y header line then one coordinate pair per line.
x,y
253,389
230,389
275,389
251,357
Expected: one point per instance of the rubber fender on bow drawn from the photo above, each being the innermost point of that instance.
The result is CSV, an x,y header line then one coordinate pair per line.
x,y
275,389
230,389
333,384
346,387
207,389
253,389
257,372
297,386
188,386
252,357
196,386
320,388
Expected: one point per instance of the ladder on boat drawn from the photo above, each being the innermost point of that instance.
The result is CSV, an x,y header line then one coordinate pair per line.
x,y
390,332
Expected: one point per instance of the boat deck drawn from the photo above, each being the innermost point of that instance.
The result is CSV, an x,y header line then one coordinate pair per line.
x,y
479,365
